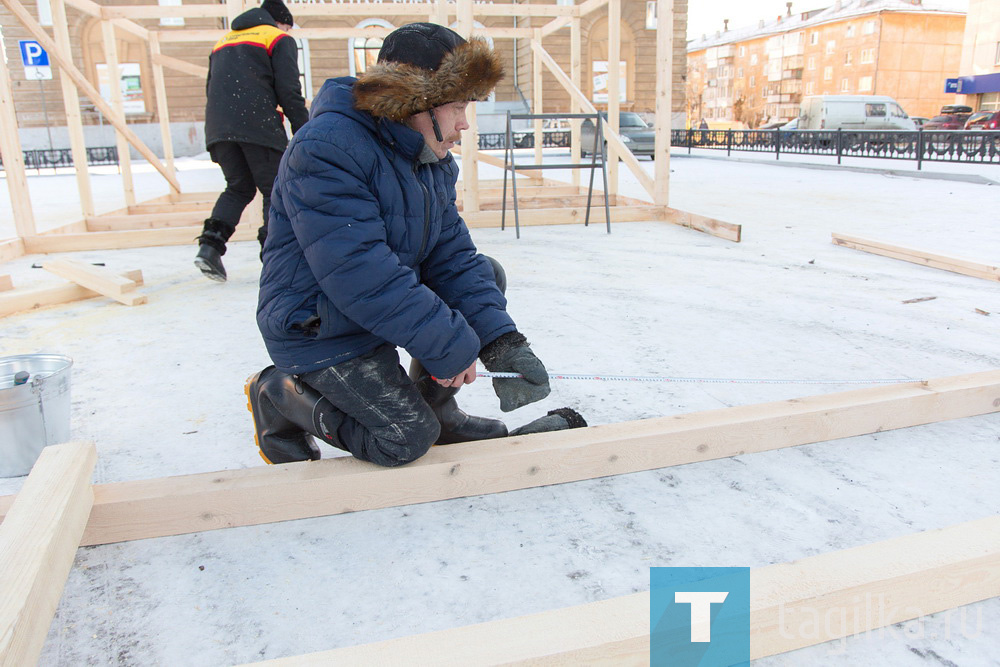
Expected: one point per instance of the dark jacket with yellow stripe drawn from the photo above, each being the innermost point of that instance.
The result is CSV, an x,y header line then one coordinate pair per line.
x,y
252,71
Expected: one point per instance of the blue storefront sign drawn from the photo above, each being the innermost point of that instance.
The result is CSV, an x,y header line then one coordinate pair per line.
x,y
977,85
951,85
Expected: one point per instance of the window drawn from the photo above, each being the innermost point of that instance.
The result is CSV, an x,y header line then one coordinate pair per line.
x,y
996,60
827,73
831,47
875,110
753,58
650,15
848,59
865,84
753,81
743,51
867,55
739,73
850,30
813,38
364,50
305,68
811,88
811,63
868,28
845,85
989,102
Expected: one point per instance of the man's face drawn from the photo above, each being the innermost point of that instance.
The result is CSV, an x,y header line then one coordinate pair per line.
x,y
451,120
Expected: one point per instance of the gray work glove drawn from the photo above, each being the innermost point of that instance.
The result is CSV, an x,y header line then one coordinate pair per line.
x,y
510,354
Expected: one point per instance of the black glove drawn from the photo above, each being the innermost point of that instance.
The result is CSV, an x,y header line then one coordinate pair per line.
x,y
510,354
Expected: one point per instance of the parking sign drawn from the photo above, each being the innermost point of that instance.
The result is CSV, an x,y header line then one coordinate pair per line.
x,y
35,59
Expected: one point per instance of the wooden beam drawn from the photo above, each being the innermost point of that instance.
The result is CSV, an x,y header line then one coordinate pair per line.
x,y
77,77
88,7
20,300
6,284
616,150
11,249
497,162
537,96
613,139
131,27
576,74
540,217
118,104
792,605
38,541
139,238
98,279
162,107
10,148
251,496
112,223
590,6
469,147
701,223
336,32
954,264
555,25
664,100
199,71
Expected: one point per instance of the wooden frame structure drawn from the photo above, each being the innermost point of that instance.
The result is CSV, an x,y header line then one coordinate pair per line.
x,y
176,217
49,519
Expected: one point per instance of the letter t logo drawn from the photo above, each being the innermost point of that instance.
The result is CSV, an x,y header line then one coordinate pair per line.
x,y
701,611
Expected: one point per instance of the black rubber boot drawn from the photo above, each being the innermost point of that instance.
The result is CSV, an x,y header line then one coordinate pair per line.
x,y
285,413
211,248
559,419
456,424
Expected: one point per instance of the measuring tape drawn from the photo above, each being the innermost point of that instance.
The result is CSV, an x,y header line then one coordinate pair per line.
x,y
662,378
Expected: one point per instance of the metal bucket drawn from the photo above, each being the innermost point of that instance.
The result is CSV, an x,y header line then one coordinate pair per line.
x,y
34,410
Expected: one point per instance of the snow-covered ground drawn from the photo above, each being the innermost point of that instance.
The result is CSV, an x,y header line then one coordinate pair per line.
x,y
159,389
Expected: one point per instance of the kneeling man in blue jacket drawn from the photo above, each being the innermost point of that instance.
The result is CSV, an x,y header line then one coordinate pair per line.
x,y
366,252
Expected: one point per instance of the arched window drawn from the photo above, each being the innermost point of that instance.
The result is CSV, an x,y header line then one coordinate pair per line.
x,y
305,68
363,51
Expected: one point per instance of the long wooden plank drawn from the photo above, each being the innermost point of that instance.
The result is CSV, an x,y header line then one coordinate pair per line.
x,y
38,541
565,216
10,148
664,100
170,218
954,264
176,505
97,278
199,71
701,223
792,605
545,202
6,284
30,299
11,249
139,238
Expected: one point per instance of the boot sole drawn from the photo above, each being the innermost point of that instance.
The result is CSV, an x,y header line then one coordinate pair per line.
x,y
209,270
256,439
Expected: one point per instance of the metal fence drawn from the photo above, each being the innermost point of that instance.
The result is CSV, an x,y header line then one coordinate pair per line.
x,y
498,140
922,145
52,158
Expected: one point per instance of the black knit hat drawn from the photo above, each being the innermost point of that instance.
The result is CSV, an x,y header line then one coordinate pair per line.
x,y
420,44
278,11
424,65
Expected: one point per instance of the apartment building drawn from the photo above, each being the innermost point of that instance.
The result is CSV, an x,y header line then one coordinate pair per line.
x,y
759,74
978,83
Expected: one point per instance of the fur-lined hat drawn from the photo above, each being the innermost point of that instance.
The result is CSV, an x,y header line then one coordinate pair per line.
x,y
424,65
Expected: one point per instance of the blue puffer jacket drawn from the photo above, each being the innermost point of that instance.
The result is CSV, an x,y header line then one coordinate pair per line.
x,y
367,239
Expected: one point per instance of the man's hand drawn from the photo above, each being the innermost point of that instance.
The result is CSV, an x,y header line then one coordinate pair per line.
x,y
510,354
468,376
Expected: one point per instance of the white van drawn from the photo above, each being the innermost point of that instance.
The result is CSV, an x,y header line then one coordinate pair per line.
x,y
853,112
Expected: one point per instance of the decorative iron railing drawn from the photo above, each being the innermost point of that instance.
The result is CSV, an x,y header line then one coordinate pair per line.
x,y
53,158
498,140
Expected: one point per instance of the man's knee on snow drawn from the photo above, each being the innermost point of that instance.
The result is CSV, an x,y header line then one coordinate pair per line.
x,y
414,440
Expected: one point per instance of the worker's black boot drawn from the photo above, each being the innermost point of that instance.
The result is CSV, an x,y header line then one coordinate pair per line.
x,y
556,420
211,248
456,425
285,413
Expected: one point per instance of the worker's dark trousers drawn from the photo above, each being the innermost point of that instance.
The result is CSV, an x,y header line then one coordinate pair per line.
x,y
247,168
386,421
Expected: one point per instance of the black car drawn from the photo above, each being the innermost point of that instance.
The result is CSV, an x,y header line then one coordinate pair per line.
x,y
637,135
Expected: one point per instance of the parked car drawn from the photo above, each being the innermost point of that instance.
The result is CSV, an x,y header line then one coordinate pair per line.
x,y
947,121
637,135
852,112
919,121
983,120
793,124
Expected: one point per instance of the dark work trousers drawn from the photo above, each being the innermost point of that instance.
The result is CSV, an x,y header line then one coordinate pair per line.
x,y
386,420
247,168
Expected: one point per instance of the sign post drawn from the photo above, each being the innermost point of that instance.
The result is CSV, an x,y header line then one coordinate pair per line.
x,y
37,68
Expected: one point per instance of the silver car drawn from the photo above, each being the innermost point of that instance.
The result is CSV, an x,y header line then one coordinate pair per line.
x,y
639,137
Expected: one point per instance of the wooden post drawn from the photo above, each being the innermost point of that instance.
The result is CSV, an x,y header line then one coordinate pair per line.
x,y
440,13
664,100
117,103
162,109
233,9
614,89
38,541
71,102
470,144
13,160
536,94
576,71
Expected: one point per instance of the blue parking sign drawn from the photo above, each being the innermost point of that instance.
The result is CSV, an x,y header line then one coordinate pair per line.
x,y
32,54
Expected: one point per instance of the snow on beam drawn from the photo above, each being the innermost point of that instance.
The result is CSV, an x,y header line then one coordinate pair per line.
x,y
922,257
252,496
855,591
38,541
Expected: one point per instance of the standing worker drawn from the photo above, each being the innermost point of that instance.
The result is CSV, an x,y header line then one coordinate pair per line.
x,y
367,253
252,71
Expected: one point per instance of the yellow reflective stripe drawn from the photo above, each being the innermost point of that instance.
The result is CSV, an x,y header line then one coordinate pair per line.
x,y
263,36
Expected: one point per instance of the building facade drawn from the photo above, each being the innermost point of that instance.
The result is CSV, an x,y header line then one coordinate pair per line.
x,y
901,48
41,115
978,83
